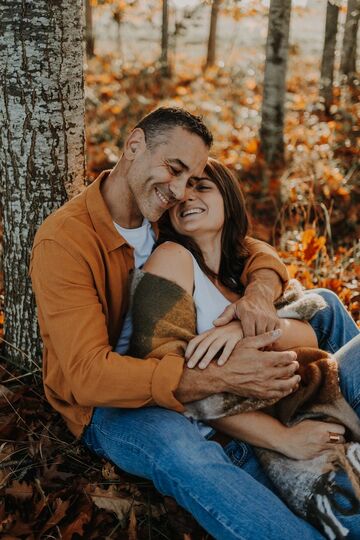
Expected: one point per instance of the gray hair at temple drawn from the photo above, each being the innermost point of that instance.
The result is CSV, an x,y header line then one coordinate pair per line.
x,y
158,123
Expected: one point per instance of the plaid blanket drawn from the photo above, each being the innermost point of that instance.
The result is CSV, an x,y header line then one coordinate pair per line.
x,y
164,321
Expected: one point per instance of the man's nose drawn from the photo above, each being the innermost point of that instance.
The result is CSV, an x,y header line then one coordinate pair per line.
x,y
178,188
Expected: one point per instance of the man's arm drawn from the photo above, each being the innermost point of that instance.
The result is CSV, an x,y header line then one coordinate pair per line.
x,y
248,373
264,278
82,367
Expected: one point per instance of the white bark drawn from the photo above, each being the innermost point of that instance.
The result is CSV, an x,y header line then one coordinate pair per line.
x,y
41,139
277,45
328,57
348,54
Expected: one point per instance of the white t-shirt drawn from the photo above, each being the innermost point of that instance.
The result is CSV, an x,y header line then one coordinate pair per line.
x,y
142,239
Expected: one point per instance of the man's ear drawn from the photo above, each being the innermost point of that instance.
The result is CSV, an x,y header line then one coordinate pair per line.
x,y
135,144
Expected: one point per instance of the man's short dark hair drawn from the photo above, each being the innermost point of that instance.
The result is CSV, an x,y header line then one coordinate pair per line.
x,y
157,123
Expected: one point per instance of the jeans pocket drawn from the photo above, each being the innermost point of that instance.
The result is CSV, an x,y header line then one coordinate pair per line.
x,y
238,452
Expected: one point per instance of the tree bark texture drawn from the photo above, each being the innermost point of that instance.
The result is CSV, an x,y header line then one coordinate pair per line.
x,y
211,52
348,53
41,140
89,34
277,45
164,58
328,57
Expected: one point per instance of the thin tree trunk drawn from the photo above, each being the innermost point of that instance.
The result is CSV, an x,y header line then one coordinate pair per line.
x,y
277,45
89,34
348,53
164,58
211,52
118,17
353,58
41,140
328,57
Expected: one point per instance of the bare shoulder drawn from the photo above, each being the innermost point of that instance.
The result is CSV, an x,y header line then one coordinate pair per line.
x,y
174,262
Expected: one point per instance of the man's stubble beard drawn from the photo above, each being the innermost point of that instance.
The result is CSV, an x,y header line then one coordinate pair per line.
x,y
146,199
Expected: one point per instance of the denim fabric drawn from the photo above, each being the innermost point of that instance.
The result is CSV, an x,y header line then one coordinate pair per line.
x,y
333,325
224,489
165,447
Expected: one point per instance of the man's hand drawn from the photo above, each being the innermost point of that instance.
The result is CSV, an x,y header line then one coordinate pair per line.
x,y
258,374
248,372
256,314
255,310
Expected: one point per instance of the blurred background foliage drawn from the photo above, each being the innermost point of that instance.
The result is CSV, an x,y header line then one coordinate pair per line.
x,y
307,204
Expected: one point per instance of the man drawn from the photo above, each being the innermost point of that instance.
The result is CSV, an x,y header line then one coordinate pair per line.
x,y
127,409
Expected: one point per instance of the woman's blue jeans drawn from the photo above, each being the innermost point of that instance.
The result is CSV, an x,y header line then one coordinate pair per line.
x,y
224,489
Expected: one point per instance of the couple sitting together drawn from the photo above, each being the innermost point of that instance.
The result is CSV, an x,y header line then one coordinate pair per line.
x,y
194,364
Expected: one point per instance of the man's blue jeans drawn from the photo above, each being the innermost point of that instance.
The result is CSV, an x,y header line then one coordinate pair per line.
x,y
224,489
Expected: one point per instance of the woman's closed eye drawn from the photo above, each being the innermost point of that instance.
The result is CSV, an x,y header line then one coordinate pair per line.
x,y
203,186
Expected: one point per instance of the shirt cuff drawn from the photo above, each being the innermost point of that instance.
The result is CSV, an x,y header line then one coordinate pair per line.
x,y
165,380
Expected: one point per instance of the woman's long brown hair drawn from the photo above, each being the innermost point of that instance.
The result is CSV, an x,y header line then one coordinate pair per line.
x,y
236,225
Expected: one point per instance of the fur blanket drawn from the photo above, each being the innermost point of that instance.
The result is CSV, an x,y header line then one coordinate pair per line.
x,y
164,321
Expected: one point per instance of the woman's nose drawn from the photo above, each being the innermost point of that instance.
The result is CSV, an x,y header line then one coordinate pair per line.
x,y
189,194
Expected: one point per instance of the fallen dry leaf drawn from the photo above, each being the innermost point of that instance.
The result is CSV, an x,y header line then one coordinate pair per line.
x,y
61,507
109,499
20,490
76,527
132,534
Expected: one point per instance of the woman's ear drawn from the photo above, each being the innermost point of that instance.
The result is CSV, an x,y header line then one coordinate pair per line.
x,y
135,144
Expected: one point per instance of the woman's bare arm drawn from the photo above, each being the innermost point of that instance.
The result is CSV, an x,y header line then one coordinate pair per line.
x,y
241,373
303,441
295,334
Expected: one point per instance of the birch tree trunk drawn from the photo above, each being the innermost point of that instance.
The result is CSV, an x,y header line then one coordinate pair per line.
x,y
211,52
164,58
89,34
348,53
277,45
41,140
328,57
118,14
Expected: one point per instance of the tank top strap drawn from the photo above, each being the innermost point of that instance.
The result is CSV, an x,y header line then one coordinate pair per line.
x,y
198,274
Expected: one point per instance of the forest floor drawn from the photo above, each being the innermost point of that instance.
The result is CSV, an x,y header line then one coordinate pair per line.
x,y
50,487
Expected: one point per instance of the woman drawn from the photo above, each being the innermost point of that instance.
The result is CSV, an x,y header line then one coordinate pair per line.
x,y
203,250
203,242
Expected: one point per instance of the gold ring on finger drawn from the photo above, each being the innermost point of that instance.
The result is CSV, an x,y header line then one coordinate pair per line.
x,y
334,437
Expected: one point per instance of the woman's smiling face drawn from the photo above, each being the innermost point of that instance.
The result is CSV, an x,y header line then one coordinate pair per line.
x,y
201,211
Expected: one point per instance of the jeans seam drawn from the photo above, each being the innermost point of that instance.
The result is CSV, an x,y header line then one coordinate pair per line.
x,y
239,462
185,489
355,403
324,337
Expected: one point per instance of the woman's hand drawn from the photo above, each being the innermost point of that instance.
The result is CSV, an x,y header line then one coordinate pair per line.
x,y
204,347
310,439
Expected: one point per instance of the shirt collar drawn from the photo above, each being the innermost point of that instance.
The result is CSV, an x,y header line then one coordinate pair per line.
x,y
100,215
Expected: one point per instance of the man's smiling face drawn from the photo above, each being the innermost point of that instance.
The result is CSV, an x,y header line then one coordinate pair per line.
x,y
157,177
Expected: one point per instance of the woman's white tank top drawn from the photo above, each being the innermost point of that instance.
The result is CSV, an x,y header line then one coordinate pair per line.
x,y
208,300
